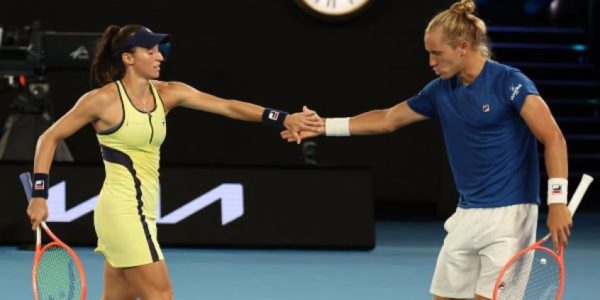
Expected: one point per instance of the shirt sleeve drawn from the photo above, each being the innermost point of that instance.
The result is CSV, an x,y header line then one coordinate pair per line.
x,y
517,88
424,102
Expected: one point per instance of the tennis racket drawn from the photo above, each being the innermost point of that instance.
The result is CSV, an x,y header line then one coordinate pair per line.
x,y
57,271
537,272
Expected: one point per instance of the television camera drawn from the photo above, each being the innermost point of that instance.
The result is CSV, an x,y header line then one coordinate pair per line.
x,y
26,55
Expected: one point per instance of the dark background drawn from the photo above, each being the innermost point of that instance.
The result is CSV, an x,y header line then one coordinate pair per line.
x,y
272,53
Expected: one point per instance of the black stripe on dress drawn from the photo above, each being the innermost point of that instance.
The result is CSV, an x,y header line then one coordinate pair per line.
x,y
121,158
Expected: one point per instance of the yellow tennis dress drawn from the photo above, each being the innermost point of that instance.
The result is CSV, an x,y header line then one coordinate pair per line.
x,y
125,216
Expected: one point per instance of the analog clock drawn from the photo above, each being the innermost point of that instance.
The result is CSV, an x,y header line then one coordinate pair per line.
x,y
334,9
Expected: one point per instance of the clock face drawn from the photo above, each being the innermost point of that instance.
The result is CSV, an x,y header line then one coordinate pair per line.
x,y
334,8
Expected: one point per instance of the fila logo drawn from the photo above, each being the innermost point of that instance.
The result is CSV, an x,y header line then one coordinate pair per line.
x,y
485,108
274,115
556,189
515,91
39,185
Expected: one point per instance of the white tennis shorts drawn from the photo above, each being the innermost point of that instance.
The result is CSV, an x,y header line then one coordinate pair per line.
x,y
478,244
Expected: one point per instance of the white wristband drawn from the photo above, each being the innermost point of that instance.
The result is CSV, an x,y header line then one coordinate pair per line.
x,y
337,127
557,190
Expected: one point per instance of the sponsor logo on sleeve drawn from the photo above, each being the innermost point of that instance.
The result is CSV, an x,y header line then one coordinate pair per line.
x,y
515,90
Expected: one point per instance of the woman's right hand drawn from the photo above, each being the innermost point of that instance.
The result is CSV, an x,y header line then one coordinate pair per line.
x,y
37,212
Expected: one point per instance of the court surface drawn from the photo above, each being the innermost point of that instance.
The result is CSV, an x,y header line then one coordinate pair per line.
x,y
400,267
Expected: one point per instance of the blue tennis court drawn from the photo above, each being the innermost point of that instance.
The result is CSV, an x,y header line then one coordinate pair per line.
x,y
400,267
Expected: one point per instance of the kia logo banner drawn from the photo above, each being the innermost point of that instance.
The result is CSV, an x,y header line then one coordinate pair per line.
x,y
303,207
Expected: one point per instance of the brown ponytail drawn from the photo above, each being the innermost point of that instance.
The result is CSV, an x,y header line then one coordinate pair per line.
x,y
106,67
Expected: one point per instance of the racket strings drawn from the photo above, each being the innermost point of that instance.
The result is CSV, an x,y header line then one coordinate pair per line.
x,y
58,276
535,275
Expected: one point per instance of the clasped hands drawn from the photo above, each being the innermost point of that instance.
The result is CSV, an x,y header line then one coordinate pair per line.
x,y
302,125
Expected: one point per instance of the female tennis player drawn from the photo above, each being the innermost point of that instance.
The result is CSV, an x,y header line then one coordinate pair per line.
x,y
128,112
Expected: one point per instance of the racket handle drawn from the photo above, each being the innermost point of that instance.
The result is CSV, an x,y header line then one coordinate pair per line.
x,y
579,192
26,182
38,237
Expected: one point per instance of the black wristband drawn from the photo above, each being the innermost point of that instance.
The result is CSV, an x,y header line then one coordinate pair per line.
x,y
274,118
41,183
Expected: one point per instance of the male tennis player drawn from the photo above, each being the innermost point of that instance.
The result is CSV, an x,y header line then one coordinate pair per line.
x,y
491,115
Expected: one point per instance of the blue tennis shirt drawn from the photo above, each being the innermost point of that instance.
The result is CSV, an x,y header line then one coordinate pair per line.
x,y
493,154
